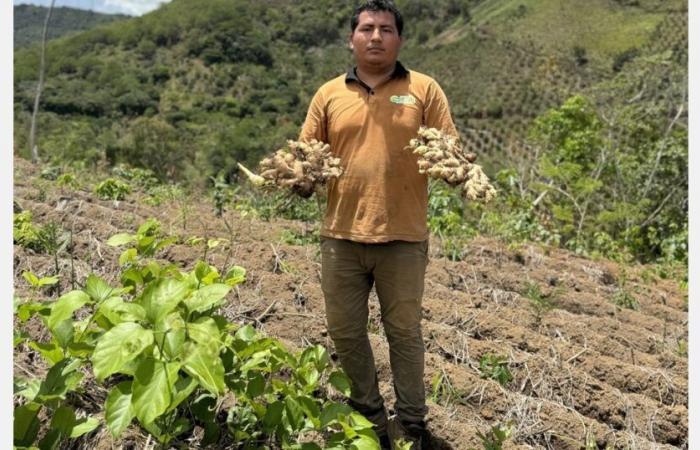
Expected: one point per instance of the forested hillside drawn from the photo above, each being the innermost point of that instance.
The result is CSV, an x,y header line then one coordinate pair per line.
x,y
193,88
29,22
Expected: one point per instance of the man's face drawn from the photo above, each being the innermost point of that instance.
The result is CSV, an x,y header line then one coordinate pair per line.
x,y
375,41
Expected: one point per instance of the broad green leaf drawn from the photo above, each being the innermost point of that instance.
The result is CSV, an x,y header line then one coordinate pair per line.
x,y
295,415
340,381
65,306
317,355
116,310
273,416
48,281
26,424
97,288
204,408
63,333
207,297
311,409
246,333
151,388
256,361
362,442
170,334
119,345
204,363
51,352
51,440
204,331
360,422
210,278
256,384
118,410
28,309
27,388
84,426
160,298
201,269
60,379
235,276
31,278
131,277
212,432
63,420
332,412
80,349
128,256
309,376
120,239
182,389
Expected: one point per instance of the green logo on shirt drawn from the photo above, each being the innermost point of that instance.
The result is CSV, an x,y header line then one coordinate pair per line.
x,y
403,99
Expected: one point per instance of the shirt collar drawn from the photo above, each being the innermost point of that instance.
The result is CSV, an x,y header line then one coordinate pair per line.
x,y
399,72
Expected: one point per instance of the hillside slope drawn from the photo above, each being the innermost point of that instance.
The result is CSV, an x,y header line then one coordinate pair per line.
x,y
586,371
218,97
29,22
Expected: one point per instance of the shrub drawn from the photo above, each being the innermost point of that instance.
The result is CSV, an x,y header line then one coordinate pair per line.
x,y
112,189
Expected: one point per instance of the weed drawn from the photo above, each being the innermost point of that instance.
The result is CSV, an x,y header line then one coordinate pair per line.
x,y
67,180
540,303
682,348
222,194
24,232
305,237
443,391
495,367
112,189
53,240
622,297
495,437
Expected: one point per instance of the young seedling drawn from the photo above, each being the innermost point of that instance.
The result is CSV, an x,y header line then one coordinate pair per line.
x,y
495,437
622,297
540,303
495,367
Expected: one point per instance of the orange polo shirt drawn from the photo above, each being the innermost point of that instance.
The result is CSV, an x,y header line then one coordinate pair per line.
x,y
381,196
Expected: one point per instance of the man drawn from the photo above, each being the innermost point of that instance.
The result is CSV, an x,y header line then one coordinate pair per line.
x,y
374,230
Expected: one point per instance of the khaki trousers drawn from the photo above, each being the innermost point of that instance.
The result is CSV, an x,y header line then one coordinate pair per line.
x,y
397,269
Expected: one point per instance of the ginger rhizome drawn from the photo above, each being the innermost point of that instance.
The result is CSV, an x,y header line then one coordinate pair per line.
x,y
441,156
299,166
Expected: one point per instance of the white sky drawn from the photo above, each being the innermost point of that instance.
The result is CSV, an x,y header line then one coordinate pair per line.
x,y
130,7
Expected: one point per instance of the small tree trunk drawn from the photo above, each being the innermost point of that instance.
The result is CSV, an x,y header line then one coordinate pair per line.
x,y
39,87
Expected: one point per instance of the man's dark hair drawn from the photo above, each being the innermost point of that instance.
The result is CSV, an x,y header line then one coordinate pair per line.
x,y
377,5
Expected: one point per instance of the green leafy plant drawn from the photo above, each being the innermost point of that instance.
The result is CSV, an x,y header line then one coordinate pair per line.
x,y
540,303
168,359
495,437
112,189
67,180
52,240
221,194
622,296
443,391
682,348
495,367
305,237
24,232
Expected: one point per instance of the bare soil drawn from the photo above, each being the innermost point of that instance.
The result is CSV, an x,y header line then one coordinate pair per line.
x,y
587,368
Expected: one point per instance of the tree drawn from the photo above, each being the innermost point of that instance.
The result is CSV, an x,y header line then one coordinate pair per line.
x,y
39,86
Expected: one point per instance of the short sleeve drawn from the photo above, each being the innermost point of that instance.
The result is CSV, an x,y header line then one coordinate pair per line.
x,y
437,110
316,122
